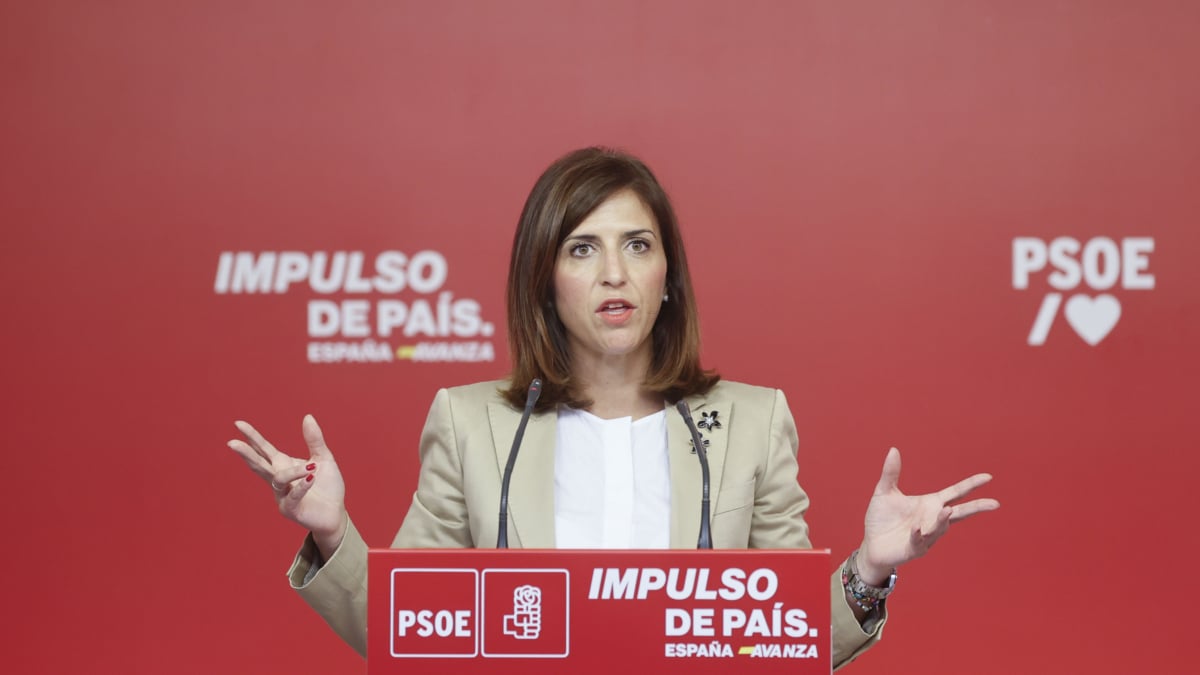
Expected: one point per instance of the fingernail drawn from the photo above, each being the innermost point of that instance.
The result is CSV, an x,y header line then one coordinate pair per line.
x,y
311,467
309,478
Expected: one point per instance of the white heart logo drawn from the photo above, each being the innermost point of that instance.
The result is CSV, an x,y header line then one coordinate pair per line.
x,y
1093,318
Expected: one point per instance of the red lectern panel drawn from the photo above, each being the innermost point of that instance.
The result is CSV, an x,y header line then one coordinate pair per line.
x,y
527,611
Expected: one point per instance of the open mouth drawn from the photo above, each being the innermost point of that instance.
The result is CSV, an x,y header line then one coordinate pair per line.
x,y
615,307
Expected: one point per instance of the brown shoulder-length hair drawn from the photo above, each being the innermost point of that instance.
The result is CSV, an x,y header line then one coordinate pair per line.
x,y
561,199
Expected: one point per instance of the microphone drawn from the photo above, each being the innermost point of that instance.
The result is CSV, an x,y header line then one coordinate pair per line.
x,y
535,390
705,540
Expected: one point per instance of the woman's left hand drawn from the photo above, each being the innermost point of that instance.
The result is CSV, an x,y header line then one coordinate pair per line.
x,y
901,527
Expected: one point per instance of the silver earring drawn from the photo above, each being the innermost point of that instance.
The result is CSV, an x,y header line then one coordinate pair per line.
x,y
666,297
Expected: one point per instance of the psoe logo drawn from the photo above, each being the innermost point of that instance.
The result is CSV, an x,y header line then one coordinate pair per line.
x,y
525,623
525,613
1085,271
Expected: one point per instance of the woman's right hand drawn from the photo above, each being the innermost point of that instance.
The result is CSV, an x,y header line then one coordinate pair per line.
x,y
310,492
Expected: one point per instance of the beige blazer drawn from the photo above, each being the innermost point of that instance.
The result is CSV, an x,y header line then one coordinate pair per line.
x,y
756,499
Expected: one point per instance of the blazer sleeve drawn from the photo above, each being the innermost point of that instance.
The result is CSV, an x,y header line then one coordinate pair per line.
x,y
336,588
778,521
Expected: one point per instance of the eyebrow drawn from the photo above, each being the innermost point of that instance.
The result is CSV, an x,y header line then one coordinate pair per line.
x,y
624,235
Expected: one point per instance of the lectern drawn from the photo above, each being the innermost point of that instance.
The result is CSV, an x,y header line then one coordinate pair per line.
x,y
533,611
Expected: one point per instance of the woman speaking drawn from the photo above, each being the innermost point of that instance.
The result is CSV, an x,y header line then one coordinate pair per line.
x,y
601,310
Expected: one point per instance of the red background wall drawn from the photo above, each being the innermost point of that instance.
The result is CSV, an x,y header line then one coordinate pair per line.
x,y
850,177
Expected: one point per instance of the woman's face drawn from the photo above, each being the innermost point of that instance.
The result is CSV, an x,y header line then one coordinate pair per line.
x,y
609,280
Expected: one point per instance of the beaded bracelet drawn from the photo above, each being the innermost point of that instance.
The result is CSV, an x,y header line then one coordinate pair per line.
x,y
865,596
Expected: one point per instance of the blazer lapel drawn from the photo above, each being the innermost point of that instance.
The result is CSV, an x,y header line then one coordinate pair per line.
x,y
531,490
686,477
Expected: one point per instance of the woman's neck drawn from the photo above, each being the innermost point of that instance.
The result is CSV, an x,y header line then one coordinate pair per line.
x,y
615,402
615,387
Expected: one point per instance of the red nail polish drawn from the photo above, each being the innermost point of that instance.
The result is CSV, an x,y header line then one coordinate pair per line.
x,y
311,467
309,478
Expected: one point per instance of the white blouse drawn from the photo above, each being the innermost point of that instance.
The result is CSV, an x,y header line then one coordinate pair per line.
x,y
612,481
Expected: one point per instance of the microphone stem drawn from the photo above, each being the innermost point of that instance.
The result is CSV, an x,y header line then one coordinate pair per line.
x,y
535,391
705,538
